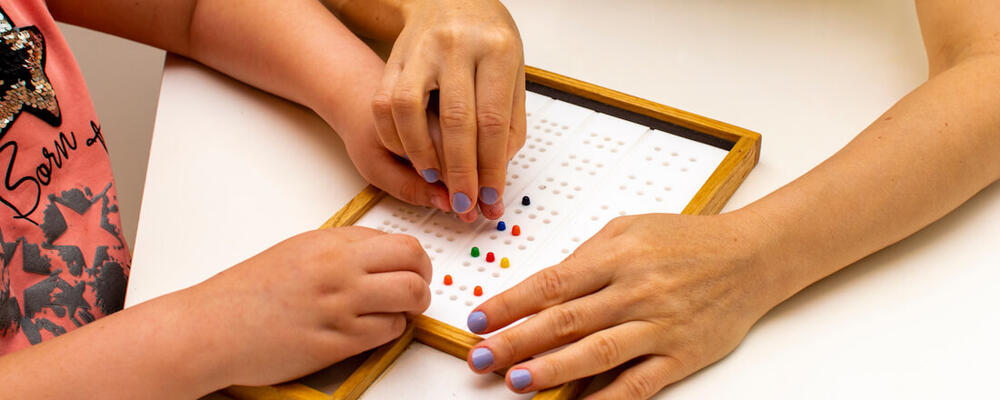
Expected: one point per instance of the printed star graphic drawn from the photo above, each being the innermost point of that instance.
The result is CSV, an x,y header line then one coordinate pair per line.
x,y
82,230
23,84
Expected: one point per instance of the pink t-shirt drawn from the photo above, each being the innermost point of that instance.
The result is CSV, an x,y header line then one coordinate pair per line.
x,y
63,260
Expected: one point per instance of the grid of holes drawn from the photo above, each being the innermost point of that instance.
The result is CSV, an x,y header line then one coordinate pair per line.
x,y
605,142
535,151
560,187
660,156
403,220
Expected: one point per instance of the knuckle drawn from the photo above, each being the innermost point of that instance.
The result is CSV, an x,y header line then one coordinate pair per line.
x,y
569,323
416,288
455,116
382,105
639,386
550,285
406,99
492,173
424,299
501,40
492,122
397,324
422,150
461,173
410,245
450,35
607,351
506,345
407,191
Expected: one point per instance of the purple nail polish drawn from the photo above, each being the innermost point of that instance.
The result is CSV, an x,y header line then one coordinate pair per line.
x,y
482,358
520,378
488,195
460,202
430,175
477,322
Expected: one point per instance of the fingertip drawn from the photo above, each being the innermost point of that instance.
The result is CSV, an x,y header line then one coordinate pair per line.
x,y
480,358
468,217
477,321
430,175
519,378
488,195
440,201
461,202
492,211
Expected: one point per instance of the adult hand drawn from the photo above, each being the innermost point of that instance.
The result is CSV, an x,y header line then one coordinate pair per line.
x,y
469,51
674,293
310,301
390,173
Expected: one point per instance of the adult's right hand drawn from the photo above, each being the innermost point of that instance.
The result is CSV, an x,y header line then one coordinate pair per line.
x,y
471,52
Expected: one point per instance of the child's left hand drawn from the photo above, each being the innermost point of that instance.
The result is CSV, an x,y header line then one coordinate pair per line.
x,y
674,292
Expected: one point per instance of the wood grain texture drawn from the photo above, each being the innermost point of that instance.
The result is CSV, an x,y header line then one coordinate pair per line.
x,y
710,199
354,209
374,366
727,177
444,337
648,108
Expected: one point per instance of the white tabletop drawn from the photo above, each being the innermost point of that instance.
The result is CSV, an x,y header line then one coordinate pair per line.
x,y
233,170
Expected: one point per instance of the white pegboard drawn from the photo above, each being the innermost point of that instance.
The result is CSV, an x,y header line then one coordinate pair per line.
x,y
580,169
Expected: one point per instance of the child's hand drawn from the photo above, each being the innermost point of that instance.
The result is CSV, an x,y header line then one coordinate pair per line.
x,y
471,52
310,301
676,293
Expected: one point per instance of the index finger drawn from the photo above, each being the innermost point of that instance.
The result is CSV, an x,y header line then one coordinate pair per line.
x,y
558,284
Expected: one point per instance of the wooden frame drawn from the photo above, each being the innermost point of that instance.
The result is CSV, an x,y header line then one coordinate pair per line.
x,y
744,151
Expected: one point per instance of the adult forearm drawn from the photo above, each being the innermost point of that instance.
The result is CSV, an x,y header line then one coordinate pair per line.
x,y
155,350
924,157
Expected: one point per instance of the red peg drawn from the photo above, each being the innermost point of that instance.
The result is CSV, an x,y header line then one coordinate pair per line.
x,y
490,257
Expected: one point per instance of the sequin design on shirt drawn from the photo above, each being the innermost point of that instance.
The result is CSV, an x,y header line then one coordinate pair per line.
x,y
23,84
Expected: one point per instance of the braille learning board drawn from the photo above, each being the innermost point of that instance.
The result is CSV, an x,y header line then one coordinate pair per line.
x,y
579,169
591,155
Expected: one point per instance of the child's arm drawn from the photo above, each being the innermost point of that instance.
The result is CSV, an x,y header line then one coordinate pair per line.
x,y
678,293
293,48
470,50
299,306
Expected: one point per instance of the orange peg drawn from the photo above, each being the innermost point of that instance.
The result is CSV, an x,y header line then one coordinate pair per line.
x,y
447,280
478,291
516,231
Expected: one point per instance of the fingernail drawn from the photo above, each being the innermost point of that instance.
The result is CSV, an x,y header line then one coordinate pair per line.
x,y
461,202
477,322
488,195
430,175
519,378
482,358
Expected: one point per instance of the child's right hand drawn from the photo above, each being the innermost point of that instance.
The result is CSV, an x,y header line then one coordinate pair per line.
x,y
310,301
